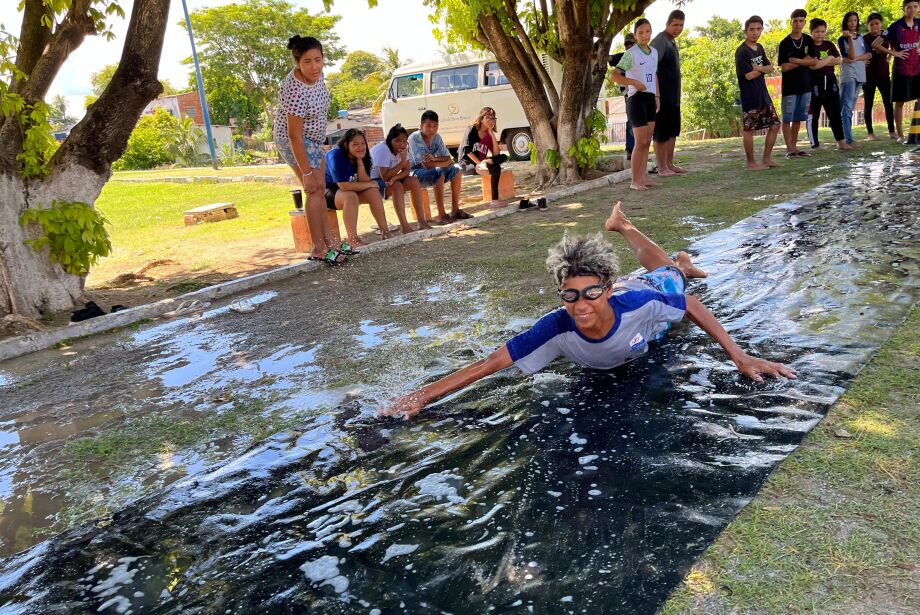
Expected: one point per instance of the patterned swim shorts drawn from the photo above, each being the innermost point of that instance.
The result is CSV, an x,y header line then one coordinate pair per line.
x,y
314,153
758,119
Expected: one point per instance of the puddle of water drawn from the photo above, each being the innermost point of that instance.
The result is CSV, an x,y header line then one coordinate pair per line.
x,y
516,492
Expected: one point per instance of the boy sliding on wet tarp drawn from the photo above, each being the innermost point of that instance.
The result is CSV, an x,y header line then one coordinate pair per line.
x,y
604,322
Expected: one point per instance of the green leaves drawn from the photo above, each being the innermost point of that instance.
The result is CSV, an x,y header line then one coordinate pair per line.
x,y
73,233
587,149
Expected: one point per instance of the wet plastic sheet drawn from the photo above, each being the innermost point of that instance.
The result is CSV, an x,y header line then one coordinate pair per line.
x,y
571,491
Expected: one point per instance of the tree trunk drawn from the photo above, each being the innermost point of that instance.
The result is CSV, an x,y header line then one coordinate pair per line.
x,y
30,284
524,78
573,19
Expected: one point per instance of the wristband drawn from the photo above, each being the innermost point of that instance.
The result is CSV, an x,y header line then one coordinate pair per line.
x,y
308,174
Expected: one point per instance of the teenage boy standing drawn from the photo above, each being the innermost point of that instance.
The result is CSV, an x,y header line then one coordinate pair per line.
x,y
795,58
878,77
758,113
825,91
667,124
902,37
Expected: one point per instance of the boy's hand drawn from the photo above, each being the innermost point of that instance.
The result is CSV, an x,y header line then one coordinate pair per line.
x,y
756,369
407,405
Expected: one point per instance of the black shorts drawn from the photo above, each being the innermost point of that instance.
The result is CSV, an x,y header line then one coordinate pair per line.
x,y
667,124
330,197
904,88
640,109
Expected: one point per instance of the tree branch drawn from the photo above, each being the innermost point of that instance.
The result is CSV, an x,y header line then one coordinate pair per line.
x,y
68,36
534,56
33,36
102,135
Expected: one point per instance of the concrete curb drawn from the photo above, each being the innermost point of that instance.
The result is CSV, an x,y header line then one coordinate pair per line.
x,y
25,344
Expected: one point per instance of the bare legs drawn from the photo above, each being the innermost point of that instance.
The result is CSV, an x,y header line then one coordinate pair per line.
x,y
649,254
748,140
899,119
323,240
664,154
791,136
415,194
348,202
639,162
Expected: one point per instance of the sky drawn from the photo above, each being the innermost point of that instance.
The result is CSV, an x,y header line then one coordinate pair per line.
x,y
360,28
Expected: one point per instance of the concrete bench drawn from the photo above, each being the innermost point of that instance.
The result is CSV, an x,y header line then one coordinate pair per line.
x,y
505,186
215,212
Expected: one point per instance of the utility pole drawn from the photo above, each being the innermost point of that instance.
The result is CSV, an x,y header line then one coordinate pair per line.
x,y
204,102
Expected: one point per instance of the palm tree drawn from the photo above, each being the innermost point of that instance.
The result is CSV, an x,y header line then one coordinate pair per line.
x,y
391,61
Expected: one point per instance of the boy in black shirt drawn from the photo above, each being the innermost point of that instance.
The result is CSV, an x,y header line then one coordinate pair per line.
x,y
825,92
795,57
758,113
667,124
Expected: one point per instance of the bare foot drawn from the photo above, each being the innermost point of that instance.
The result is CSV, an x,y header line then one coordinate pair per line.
x,y
686,266
678,169
423,226
768,162
405,229
617,220
754,166
665,172
872,138
650,184
357,243
893,136
844,146
639,187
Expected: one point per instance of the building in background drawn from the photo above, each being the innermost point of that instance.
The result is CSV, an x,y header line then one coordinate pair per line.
x,y
188,104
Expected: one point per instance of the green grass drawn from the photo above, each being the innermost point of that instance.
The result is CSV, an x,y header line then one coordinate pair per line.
x,y
274,170
835,528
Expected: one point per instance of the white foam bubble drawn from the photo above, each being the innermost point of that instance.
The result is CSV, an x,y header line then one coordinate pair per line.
x,y
574,439
437,487
586,459
397,550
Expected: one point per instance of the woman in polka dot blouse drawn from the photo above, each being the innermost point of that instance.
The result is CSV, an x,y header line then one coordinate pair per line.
x,y
299,133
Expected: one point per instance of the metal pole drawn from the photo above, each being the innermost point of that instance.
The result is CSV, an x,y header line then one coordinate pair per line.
x,y
204,102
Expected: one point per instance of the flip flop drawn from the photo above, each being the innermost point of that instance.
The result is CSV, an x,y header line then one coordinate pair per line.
x,y
345,248
331,258
461,215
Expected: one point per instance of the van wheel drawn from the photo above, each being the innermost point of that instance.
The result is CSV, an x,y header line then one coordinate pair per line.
x,y
519,140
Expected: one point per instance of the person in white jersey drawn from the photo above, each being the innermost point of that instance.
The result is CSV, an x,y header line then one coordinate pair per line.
x,y
638,72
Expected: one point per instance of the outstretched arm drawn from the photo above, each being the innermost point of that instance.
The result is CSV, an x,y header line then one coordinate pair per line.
x,y
413,403
751,367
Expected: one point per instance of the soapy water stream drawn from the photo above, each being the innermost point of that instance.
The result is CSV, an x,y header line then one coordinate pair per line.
x,y
570,491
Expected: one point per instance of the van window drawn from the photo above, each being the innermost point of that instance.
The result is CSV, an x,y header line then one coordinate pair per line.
x,y
408,85
494,75
454,79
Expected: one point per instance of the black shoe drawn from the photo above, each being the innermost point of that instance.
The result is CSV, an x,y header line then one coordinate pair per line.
x,y
526,205
541,204
90,311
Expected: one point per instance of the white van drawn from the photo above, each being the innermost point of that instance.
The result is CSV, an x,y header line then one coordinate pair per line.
x,y
456,87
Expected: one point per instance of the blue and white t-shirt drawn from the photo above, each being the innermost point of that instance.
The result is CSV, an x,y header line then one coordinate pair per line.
x,y
641,314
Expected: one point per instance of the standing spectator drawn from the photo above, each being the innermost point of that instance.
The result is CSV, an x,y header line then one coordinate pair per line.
x,y
825,92
348,184
902,37
628,41
433,166
638,72
855,54
878,77
758,113
299,132
478,153
391,172
795,58
667,122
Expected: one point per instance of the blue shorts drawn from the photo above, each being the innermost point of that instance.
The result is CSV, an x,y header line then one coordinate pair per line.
x,y
429,177
314,149
668,280
382,186
795,107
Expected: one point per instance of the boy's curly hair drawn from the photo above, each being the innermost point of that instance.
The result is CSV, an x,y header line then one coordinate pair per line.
x,y
588,255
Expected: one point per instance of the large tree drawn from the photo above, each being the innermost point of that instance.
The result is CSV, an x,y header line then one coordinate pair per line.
x,y
243,50
33,181
575,33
